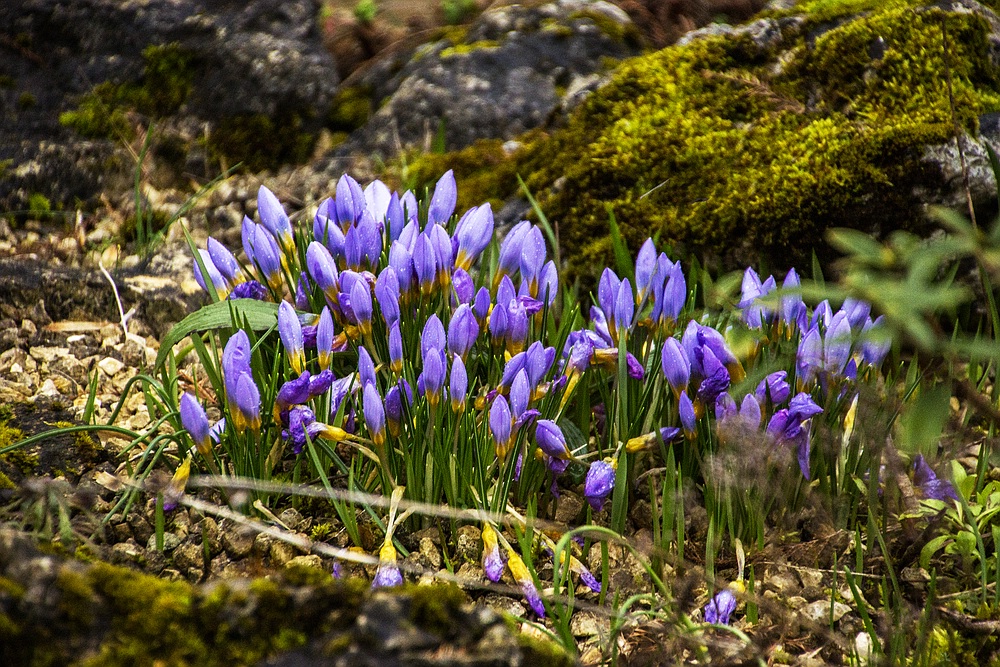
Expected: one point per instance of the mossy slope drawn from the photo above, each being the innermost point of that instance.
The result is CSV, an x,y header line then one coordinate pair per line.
x,y
741,150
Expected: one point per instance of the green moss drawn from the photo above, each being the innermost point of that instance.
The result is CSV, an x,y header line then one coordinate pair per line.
x,y
732,158
26,100
39,205
7,81
351,108
463,48
260,142
168,76
538,651
433,607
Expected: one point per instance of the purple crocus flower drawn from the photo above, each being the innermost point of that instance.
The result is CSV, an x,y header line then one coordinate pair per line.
x,y
473,236
645,270
194,420
214,276
500,426
520,394
548,283
374,413
532,258
607,292
463,286
676,365
401,262
725,407
537,362
809,358
366,368
774,387
388,574
433,335
275,220
369,239
517,326
225,262
551,440
499,325
327,233
481,305
353,252
689,420
377,200
875,342
387,295
493,561
674,294
247,402
425,263
395,349
721,607
793,308
292,392
929,483
324,338
323,270
525,581
443,200
350,201
251,289
509,260
290,332
433,376
857,311
462,331
837,344
235,360
320,383
443,258
458,385
599,483
361,306
266,256
716,377
624,309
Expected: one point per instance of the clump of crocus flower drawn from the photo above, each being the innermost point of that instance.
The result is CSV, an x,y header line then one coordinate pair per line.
x,y
383,349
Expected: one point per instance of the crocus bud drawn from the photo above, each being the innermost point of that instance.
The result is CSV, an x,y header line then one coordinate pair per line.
x,y
388,574
510,248
324,338
425,264
721,607
361,305
247,402
599,483
676,365
275,220
374,414
645,269
214,276
527,584
493,562
474,235
195,421
551,440
323,270
462,331
395,349
225,262
459,385
290,332
500,426
689,420
443,200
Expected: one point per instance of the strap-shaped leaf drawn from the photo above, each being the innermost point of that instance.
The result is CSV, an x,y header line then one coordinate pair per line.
x,y
260,315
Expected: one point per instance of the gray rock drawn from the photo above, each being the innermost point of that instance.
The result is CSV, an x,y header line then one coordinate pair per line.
x,y
259,58
512,71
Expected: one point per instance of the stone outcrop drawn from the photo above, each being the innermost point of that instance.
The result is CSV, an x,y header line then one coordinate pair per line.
x,y
81,80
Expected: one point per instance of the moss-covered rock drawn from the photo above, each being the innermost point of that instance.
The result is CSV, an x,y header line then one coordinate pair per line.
x,y
746,144
61,612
